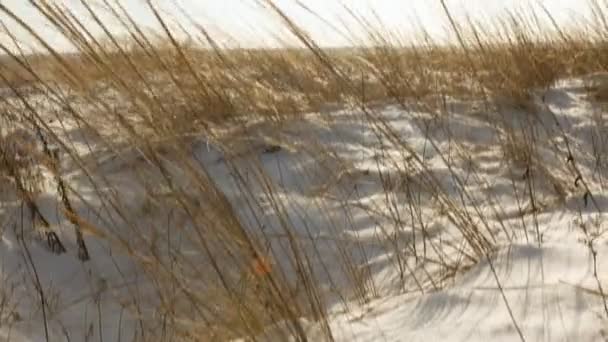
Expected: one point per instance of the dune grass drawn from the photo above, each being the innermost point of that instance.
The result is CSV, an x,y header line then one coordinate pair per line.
x,y
157,95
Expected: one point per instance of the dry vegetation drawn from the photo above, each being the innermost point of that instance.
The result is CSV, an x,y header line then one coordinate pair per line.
x,y
159,96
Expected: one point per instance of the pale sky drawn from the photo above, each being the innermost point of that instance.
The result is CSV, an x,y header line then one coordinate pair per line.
x,y
246,22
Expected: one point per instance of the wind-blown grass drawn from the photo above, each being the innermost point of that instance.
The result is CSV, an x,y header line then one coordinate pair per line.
x,y
156,97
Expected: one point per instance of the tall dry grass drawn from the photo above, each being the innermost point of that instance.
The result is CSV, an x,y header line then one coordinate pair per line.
x,y
157,96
